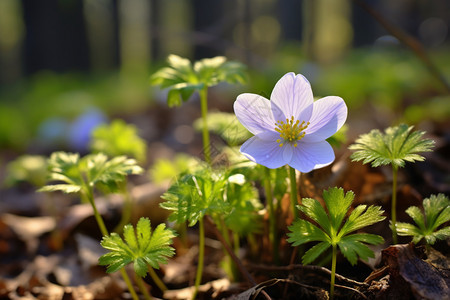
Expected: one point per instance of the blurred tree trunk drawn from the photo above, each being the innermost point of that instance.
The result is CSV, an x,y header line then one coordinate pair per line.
x,y
134,36
101,26
327,31
11,40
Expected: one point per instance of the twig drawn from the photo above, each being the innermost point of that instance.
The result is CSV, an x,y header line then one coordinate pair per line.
x,y
352,289
306,267
407,40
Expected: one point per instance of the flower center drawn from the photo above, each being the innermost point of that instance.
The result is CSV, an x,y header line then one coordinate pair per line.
x,y
290,131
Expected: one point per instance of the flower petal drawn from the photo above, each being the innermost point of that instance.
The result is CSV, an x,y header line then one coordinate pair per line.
x,y
310,156
254,112
288,151
292,96
328,116
263,152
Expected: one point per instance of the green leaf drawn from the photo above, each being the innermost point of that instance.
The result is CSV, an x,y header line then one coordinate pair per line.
x,y
315,252
436,213
243,198
315,211
27,168
303,232
359,218
145,248
397,145
330,232
183,80
118,138
194,195
75,175
351,249
169,169
337,204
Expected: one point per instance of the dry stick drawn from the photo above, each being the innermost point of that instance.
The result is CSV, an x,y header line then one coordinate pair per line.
x,y
293,267
408,40
237,261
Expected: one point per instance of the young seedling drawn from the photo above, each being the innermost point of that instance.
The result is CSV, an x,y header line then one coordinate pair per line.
x,y
146,250
115,139
396,146
82,175
436,213
192,197
183,79
329,230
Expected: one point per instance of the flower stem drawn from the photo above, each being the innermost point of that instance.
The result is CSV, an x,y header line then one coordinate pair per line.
x,y
205,132
104,232
201,256
333,271
394,204
127,206
294,198
272,220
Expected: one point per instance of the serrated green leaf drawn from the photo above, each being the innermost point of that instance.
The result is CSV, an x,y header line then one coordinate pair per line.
x,y
118,138
337,204
154,250
314,252
436,213
194,195
397,145
359,219
303,232
182,79
351,249
415,214
315,211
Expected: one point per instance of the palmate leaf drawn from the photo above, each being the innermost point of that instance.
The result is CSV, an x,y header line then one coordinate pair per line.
x,y
118,138
182,79
436,213
331,231
63,167
74,175
141,247
194,195
397,145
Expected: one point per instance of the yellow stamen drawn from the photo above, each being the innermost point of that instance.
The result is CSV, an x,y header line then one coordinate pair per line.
x,y
290,131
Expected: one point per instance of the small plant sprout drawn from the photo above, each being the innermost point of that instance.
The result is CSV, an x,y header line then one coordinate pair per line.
x,y
183,79
145,249
192,197
396,146
82,175
329,230
290,129
436,213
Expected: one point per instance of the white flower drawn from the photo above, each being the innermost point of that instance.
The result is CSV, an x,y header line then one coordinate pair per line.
x,y
290,128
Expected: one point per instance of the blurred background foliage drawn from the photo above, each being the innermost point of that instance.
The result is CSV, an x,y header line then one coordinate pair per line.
x,y
67,66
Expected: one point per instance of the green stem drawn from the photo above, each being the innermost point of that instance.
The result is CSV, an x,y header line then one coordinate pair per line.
x,y
104,232
272,220
142,287
156,279
205,132
294,197
394,204
127,206
333,271
201,256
